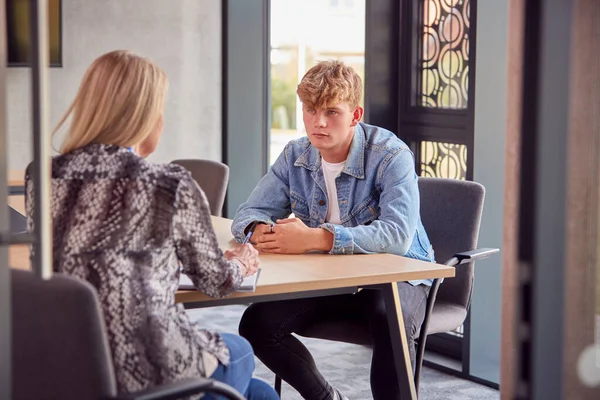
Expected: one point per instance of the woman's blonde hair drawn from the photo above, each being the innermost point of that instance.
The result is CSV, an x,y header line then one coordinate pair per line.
x,y
330,82
120,100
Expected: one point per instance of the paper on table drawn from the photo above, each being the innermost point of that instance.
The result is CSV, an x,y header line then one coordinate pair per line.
x,y
248,284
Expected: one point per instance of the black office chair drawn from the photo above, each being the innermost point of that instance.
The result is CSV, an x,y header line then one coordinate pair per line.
x,y
212,177
60,350
451,213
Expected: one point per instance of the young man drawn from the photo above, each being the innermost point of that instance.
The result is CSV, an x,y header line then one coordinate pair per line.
x,y
353,189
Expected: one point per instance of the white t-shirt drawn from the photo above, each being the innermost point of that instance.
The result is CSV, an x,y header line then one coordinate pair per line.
x,y
330,172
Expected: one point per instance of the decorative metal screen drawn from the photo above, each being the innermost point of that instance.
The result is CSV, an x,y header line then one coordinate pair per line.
x,y
444,54
443,160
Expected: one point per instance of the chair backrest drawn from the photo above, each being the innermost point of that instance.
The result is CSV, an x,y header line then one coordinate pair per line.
x,y
451,213
60,350
212,177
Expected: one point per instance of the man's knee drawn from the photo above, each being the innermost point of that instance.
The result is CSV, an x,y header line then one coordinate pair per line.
x,y
376,312
255,322
414,303
378,316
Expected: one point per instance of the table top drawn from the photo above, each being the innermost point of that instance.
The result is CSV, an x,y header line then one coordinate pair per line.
x,y
16,178
281,273
17,202
18,256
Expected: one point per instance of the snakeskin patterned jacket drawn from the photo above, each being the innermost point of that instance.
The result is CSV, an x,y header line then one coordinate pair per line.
x,y
126,225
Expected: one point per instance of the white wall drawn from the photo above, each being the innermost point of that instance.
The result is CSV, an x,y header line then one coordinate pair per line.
x,y
182,36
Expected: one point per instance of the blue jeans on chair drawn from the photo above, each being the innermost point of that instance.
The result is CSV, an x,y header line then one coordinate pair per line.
x,y
238,374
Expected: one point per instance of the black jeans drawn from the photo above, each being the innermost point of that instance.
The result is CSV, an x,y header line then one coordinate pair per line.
x,y
269,327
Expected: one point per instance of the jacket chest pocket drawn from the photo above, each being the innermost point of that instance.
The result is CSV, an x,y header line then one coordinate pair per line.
x,y
367,212
299,207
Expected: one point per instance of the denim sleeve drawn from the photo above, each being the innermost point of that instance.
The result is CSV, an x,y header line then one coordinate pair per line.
x,y
269,201
394,230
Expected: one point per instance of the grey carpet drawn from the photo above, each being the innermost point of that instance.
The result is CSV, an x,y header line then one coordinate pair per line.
x,y
346,366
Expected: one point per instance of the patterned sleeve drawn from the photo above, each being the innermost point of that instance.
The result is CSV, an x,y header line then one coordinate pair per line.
x,y
197,246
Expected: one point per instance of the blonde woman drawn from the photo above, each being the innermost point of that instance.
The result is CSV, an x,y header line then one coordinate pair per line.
x,y
125,225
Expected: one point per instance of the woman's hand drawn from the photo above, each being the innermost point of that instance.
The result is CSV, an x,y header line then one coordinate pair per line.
x,y
247,255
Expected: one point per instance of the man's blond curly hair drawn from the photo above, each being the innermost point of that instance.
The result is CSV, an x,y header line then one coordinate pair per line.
x,y
329,83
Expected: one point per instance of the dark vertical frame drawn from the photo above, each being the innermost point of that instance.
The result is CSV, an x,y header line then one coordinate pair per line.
x,y
542,231
410,45
381,63
5,296
527,195
470,118
245,97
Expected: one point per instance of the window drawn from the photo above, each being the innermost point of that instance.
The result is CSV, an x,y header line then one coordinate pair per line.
x,y
444,54
441,159
436,116
302,34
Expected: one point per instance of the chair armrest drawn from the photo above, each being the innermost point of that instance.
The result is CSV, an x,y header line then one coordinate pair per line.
x,y
470,256
183,388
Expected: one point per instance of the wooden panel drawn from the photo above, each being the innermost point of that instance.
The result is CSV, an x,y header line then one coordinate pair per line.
x,y
583,181
512,167
17,202
16,178
18,257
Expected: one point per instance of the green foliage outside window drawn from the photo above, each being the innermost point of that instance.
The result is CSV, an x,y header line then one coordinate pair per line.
x,y
283,104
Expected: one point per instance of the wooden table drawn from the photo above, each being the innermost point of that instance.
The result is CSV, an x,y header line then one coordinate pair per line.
x,y
17,202
16,178
15,181
309,275
287,274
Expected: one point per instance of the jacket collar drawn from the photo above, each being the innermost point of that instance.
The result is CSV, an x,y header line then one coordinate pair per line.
x,y
355,163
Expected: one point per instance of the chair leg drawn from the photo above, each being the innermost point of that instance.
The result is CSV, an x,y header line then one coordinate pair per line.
x,y
419,362
423,332
278,385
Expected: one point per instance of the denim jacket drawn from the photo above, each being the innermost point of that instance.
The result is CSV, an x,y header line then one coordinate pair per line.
x,y
377,192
